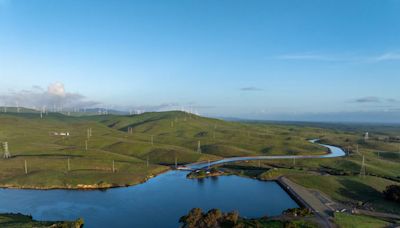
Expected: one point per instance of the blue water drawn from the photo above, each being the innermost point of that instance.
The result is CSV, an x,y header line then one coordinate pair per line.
x,y
161,201
157,203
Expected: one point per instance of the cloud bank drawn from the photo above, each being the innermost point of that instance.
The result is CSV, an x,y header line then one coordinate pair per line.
x,y
54,97
251,88
375,100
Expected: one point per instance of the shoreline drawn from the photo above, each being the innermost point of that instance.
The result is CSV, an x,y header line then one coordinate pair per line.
x,y
104,187
88,187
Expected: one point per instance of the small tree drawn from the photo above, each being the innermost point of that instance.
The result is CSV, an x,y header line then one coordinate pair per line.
x,y
191,220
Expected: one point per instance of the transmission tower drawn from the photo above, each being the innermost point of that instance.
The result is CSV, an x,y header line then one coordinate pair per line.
x,y
6,151
199,147
362,171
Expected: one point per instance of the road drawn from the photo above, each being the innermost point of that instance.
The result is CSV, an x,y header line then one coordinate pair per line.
x,y
334,152
322,210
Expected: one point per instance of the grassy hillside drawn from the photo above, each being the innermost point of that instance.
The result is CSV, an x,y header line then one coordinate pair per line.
x,y
340,178
138,146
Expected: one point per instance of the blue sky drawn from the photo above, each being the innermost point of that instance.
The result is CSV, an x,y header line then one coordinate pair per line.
x,y
249,59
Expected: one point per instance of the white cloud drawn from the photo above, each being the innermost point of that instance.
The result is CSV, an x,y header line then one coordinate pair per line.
x,y
54,96
390,56
56,89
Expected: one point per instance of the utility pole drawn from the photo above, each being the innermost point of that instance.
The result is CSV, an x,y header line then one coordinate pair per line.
x,y
86,145
294,161
26,167
147,161
68,164
176,161
113,166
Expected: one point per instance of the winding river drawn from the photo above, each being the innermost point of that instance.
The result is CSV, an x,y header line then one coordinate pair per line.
x,y
160,201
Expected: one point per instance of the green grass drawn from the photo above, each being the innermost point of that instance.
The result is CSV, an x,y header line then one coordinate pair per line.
x,y
352,189
175,137
345,220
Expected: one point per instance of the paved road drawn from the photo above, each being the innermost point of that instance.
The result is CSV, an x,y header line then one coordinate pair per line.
x,y
321,209
334,152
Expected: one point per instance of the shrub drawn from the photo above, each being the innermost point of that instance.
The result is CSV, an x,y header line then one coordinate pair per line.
x,y
298,212
392,192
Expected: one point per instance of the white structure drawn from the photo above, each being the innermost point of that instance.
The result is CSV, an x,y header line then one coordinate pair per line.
x,y
6,152
61,133
366,136
362,171
199,147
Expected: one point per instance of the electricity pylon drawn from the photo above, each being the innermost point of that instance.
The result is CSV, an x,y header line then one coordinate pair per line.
x,y
362,171
199,147
6,151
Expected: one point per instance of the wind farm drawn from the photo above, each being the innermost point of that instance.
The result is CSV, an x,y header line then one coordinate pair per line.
x,y
199,114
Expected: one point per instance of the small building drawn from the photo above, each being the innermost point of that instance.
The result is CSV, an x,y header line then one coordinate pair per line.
x,y
60,133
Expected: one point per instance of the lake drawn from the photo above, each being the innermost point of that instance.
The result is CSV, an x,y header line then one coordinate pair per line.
x,y
159,202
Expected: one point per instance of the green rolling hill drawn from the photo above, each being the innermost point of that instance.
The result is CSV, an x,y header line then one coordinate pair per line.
x,y
139,145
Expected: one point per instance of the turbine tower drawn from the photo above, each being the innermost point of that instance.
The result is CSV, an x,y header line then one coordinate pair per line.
x,y
366,136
